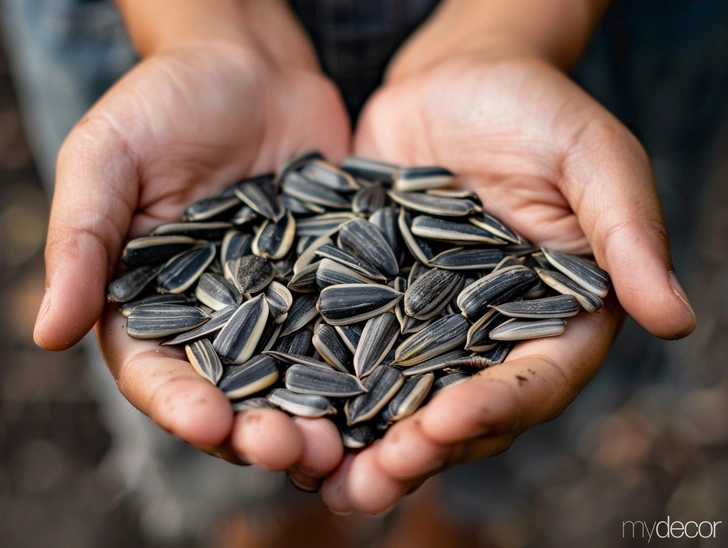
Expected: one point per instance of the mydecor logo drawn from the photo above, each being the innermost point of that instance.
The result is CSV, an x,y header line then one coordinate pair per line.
x,y
670,529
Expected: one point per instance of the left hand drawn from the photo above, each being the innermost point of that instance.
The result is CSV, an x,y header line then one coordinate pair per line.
x,y
559,169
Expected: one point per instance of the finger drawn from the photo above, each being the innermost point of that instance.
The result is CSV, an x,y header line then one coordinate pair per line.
x,y
608,182
537,381
92,207
333,489
322,447
267,438
160,383
368,488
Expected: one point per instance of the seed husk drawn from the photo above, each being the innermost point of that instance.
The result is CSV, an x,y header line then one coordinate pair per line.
x,y
128,286
422,178
566,286
435,205
409,397
437,338
498,287
448,380
298,342
377,339
495,226
157,298
299,359
462,258
204,360
351,303
302,405
454,232
479,331
322,381
302,311
357,436
386,220
325,224
382,385
560,306
255,196
237,340
250,377
333,273
253,274
308,253
332,349
209,208
243,216
304,281
583,272
435,364
155,249
347,259
330,176
204,230
216,292
279,300
419,249
296,163
275,238
235,244
431,292
152,321
300,187
350,335
364,240
520,330
183,270
213,325
369,169
369,200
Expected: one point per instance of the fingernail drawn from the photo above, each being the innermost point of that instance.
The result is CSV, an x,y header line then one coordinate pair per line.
x,y
44,306
338,513
304,483
679,291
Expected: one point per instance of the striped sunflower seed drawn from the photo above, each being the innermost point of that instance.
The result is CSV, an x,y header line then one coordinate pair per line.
x,y
152,321
302,405
250,377
352,303
237,340
205,360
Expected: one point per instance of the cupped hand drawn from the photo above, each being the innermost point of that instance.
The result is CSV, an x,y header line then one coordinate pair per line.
x,y
557,167
177,128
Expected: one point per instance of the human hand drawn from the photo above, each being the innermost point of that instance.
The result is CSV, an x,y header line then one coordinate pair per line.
x,y
560,170
191,118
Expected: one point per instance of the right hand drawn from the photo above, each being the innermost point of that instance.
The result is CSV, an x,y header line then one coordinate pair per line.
x,y
180,126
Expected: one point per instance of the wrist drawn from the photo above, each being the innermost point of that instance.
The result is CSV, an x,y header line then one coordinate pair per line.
x,y
267,27
555,31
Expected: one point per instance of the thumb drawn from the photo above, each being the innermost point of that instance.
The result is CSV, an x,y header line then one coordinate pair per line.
x,y
608,182
95,196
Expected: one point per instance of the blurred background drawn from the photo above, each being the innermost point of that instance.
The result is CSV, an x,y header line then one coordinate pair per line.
x,y
647,439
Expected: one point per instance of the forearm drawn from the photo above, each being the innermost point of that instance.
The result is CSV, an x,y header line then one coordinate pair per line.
x,y
265,25
555,30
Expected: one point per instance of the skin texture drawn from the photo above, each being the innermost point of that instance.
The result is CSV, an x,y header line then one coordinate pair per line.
x,y
210,104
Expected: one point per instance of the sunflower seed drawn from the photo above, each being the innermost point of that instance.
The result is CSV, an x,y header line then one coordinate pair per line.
x,y
448,380
351,303
297,207
435,205
422,178
350,335
208,230
357,436
237,340
253,274
437,338
461,258
254,375
323,173
234,245
304,281
386,220
182,270
495,356
151,321
298,359
155,249
382,385
217,292
364,240
322,381
494,226
332,273
495,288
157,298
321,225
431,292
419,249
128,286
300,187
307,254
301,405
369,169
279,300
332,349
454,193
561,306
301,312
268,338
377,339
368,200
298,342
298,162
435,364
479,331
355,263
583,272
274,239
443,230
566,286
258,402
521,330
409,398
205,360
213,325
243,216
209,208
258,195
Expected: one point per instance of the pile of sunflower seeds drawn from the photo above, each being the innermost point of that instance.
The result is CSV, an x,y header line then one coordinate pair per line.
x,y
354,292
